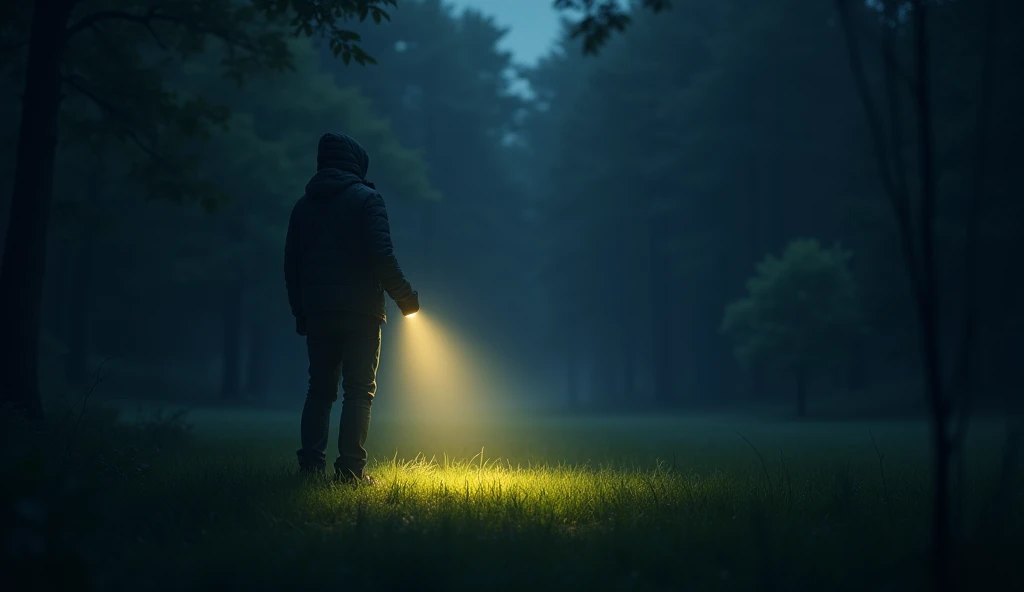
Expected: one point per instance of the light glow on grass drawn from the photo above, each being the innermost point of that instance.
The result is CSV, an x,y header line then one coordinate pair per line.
x,y
564,496
581,503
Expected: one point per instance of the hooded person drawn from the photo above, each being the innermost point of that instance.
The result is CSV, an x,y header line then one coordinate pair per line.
x,y
339,262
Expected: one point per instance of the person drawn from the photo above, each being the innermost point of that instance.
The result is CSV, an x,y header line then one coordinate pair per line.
x,y
338,263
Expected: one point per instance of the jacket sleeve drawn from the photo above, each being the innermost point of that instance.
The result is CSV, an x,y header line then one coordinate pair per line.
x,y
291,265
382,252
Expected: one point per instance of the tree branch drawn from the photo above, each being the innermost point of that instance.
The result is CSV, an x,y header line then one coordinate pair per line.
x,y
109,109
147,23
926,171
899,202
889,53
101,36
94,18
893,99
155,15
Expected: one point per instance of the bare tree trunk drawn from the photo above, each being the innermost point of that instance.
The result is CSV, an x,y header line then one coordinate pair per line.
x,y
56,288
24,262
857,377
78,337
628,357
232,355
928,308
76,369
604,354
662,312
258,374
572,376
919,248
801,393
755,240
965,377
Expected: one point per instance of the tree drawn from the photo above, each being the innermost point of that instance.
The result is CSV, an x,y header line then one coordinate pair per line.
x,y
914,192
799,315
946,173
260,163
715,159
601,18
58,59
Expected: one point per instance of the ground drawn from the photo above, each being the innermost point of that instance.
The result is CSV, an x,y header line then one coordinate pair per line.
x,y
554,503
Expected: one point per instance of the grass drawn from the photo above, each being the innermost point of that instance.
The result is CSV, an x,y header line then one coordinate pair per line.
x,y
555,503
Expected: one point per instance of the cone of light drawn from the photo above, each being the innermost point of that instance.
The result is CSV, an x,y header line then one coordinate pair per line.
x,y
442,378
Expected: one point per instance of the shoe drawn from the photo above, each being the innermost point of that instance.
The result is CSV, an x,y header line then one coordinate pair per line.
x,y
350,478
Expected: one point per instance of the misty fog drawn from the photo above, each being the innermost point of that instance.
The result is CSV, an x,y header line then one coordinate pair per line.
x,y
769,212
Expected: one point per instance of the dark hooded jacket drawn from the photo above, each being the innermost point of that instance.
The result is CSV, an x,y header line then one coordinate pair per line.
x,y
338,253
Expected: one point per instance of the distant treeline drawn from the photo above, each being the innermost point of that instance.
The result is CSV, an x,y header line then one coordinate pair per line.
x,y
598,234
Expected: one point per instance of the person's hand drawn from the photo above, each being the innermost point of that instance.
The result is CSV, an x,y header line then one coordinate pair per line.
x,y
300,326
409,305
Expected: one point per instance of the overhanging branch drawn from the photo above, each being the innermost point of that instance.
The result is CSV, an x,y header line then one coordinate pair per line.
x,y
156,15
109,109
91,20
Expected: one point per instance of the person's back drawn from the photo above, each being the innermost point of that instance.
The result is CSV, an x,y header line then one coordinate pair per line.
x,y
339,262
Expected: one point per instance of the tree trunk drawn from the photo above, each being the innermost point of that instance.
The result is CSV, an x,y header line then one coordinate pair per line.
x,y
801,393
572,374
257,375
611,371
757,382
24,260
232,357
929,307
602,372
919,249
662,312
754,209
628,353
857,377
78,316
77,362
56,287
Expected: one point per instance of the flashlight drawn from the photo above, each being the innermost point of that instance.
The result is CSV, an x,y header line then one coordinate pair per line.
x,y
412,303
411,314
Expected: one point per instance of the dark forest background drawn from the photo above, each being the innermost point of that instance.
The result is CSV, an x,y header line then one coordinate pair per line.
x,y
644,228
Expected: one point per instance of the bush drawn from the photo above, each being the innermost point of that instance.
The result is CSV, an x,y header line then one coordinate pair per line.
x,y
55,472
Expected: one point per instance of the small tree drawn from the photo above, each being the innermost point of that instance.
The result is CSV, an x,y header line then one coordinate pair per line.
x,y
799,313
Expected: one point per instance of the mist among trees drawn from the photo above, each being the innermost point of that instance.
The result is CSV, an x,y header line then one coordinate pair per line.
x,y
807,213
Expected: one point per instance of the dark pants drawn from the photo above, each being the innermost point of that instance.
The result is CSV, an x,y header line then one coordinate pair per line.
x,y
346,349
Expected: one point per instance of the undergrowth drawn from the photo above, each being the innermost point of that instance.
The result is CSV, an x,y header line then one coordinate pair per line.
x,y
150,504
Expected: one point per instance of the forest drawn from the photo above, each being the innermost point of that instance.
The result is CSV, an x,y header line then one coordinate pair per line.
x,y
688,225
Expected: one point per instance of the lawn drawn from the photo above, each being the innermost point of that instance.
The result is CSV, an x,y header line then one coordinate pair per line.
x,y
554,503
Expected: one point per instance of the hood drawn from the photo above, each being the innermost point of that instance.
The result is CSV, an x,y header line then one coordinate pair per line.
x,y
338,151
340,163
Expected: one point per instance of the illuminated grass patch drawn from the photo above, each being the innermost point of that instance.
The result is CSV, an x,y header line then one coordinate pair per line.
x,y
570,504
